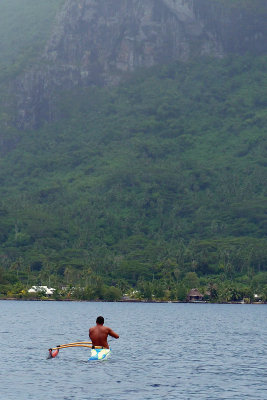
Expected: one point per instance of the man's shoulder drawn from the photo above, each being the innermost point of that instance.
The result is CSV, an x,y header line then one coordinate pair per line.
x,y
92,328
107,328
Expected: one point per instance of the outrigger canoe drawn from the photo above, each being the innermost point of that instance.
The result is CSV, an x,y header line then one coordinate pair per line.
x,y
97,352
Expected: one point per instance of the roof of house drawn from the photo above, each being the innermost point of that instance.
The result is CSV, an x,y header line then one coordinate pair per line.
x,y
195,293
47,290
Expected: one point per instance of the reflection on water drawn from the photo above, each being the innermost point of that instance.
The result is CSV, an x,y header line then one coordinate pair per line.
x,y
173,351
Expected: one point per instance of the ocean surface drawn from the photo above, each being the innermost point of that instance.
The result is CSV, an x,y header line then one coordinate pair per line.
x,y
165,351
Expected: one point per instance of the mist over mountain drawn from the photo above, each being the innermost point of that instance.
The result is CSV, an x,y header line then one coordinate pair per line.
x,y
133,146
98,42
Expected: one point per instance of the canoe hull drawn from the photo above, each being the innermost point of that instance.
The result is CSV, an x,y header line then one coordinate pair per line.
x,y
99,354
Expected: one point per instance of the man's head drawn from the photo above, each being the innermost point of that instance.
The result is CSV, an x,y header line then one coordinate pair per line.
x,y
100,320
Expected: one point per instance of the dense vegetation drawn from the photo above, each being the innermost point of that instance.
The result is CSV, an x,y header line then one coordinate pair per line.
x,y
157,185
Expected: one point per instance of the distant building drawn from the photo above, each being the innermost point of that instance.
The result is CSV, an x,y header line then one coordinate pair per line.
x,y
194,295
257,298
44,289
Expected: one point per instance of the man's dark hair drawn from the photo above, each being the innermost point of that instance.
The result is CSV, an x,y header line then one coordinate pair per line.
x,y
100,320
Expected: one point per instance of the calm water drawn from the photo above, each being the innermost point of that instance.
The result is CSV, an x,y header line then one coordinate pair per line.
x,y
172,351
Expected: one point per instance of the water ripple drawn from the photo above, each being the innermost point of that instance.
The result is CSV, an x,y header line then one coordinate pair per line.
x,y
173,351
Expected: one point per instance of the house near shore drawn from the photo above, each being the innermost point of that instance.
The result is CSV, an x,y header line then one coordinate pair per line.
x,y
194,296
257,298
42,289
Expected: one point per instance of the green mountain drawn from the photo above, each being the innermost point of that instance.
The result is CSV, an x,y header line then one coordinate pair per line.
x,y
157,183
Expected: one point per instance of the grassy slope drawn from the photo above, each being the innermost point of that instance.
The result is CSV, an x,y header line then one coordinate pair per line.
x,y
170,165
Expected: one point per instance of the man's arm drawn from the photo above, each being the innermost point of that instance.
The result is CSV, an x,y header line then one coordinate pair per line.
x,y
113,334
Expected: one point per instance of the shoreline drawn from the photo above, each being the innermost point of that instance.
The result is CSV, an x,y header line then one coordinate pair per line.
x,y
134,301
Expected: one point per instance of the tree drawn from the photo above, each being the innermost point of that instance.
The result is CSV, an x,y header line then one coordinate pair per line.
x,y
112,293
191,280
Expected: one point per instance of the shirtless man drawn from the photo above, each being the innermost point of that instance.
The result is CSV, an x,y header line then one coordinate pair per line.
x,y
99,333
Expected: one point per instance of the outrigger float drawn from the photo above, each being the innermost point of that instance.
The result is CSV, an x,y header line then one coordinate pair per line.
x,y
97,352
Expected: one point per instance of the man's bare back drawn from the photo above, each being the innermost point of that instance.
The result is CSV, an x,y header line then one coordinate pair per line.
x,y
99,333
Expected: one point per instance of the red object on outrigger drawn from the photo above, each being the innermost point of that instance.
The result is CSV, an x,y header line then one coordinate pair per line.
x,y
53,354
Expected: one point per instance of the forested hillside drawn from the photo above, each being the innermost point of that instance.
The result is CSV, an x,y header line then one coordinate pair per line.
x,y
159,182
141,165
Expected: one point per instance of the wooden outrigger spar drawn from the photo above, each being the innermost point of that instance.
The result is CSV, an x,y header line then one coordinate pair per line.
x,y
66,346
53,351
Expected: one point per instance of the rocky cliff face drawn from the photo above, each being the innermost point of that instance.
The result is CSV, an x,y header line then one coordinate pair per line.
x,y
95,42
